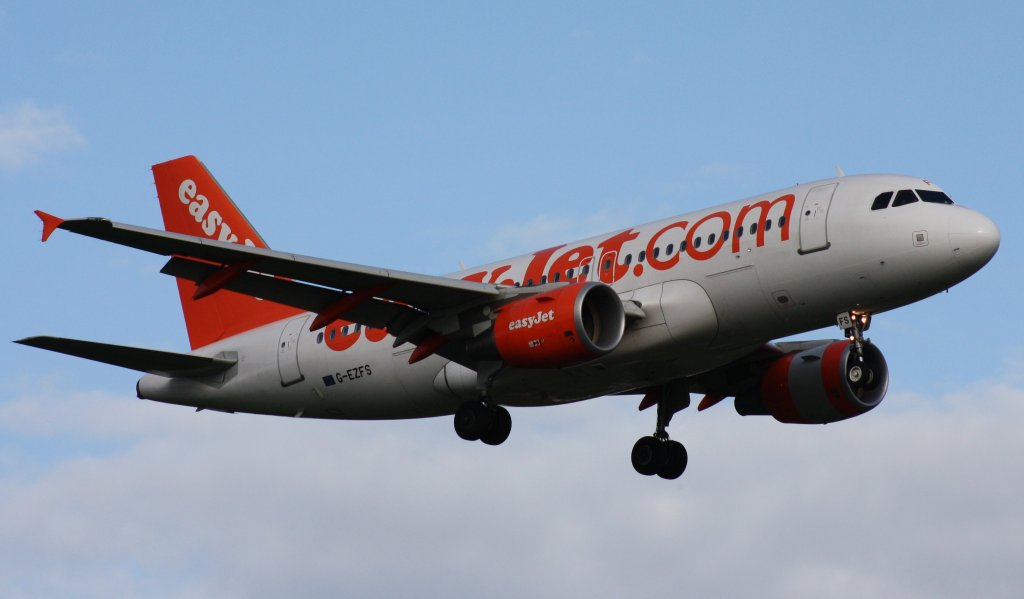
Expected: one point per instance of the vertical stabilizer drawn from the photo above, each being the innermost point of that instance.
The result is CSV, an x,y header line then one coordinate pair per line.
x,y
192,202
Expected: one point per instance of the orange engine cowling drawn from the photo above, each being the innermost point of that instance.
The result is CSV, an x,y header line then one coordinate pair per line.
x,y
819,385
551,329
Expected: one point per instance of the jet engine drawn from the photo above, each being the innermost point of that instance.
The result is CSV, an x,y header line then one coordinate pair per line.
x,y
823,384
551,329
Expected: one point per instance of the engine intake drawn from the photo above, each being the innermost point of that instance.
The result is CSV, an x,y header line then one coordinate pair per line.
x,y
824,384
566,326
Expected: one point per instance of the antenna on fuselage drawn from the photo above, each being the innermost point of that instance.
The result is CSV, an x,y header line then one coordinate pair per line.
x,y
839,172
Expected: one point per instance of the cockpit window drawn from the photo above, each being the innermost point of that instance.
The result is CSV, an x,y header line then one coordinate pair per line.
x,y
904,197
882,201
935,197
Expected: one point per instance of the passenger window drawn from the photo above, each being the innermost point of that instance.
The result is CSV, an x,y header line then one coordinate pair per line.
x,y
642,256
934,197
586,269
656,252
320,337
668,250
344,331
904,197
782,221
725,235
753,228
529,282
629,259
682,246
558,277
569,274
739,231
768,225
334,333
543,279
711,239
696,243
357,329
882,201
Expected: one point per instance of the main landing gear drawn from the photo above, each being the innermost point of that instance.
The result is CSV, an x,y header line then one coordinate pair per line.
x,y
657,454
478,421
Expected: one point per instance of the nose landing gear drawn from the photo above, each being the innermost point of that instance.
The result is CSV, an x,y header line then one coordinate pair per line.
x,y
859,373
854,324
657,454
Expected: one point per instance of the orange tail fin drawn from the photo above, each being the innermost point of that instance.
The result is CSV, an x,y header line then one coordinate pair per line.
x,y
192,202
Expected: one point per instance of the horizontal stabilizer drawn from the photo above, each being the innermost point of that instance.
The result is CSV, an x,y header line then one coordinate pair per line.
x,y
153,361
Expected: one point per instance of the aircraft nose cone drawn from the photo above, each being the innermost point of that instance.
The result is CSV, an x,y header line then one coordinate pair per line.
x,y
974,239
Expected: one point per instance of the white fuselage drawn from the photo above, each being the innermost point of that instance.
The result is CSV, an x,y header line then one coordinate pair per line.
x,y
816,250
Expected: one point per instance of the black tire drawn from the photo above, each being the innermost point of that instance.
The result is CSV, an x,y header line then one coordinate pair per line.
x,y
648,455
500,427
675,461
472,419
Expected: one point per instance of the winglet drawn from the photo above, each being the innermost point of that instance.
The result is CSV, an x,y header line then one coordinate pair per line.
x,y
50,222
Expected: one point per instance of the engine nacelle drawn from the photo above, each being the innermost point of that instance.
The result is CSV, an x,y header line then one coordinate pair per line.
x,y
820,385
552,329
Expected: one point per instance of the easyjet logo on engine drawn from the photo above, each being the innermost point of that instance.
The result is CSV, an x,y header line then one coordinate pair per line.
x,y
530,321
210,221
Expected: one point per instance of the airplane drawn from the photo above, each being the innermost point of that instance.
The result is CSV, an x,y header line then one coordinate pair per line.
x,y
688,304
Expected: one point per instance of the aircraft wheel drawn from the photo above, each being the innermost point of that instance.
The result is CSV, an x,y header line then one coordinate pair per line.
x,y
472,420
856,374
649,454
500,427
675,461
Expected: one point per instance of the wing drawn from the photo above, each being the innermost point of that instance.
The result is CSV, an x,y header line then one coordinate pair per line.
x,y
413,307
425,292
163,363
739,377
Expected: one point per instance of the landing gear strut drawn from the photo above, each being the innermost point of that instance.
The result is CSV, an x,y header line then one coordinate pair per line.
x,y
478,421
657,454
858,372
854,324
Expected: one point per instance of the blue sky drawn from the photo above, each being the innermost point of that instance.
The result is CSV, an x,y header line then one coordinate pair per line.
x,y
418,136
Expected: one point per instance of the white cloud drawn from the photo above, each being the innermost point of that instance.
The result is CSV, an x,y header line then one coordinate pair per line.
x,y
112,496
27,132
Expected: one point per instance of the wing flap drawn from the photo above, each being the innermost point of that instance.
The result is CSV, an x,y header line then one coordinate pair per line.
x,y
162,363
372,312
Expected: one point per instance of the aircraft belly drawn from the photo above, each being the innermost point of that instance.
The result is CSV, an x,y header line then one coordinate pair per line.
x,y
618,372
